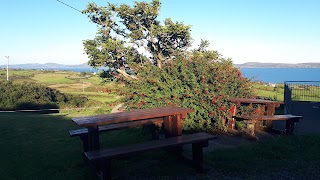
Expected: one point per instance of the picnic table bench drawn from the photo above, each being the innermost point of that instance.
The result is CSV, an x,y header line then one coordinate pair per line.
x,y
101,159
267,108
252,120
267,115
171,119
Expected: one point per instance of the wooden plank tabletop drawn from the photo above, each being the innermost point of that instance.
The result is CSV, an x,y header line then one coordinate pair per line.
x,y
129,116
254,101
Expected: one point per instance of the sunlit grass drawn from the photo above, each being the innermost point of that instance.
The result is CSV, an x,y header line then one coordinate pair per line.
x,y
94,80
17,75
52,78
270,94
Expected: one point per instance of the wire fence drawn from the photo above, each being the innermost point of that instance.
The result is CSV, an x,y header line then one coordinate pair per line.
x,y
301,91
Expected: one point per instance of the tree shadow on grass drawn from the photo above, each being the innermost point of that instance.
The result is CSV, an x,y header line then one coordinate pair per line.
x,y
43,108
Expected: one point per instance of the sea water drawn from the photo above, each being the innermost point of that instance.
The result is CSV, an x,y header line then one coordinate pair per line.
x,y
268,75
280,75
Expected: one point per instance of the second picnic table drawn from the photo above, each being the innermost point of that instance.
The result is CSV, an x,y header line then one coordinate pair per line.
x,y
267,108
171,115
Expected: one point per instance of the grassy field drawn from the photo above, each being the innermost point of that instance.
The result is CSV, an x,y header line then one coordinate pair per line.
x,y
269,92
37,146
47,78
87,85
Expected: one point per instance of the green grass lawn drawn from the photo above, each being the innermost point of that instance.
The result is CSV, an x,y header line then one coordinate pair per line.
x,y
272,95
270,92
35,146
17,75
52,78
38,147
293,156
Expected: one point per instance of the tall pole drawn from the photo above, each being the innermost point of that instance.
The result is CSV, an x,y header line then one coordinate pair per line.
x,y
7,68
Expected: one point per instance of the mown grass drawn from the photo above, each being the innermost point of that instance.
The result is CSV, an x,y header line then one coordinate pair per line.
x,y
38,147
270,92
296,156
35,146
52,78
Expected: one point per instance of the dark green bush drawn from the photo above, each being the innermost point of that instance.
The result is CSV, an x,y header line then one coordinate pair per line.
x,y
197,83
34,96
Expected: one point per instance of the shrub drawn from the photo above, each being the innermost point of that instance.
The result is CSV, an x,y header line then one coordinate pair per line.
x,y
82,74
197,83
34,96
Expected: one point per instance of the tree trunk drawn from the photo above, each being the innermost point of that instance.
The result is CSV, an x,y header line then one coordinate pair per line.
x,y
125,74
159,60
159,64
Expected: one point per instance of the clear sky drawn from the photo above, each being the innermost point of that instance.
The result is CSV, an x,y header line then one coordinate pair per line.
x,y
282,31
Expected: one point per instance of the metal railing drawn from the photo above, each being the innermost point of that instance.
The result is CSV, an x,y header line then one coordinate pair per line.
x,y
300,91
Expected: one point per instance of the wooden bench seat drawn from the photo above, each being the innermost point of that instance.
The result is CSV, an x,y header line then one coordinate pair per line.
x,y
101,159
251,121
83,132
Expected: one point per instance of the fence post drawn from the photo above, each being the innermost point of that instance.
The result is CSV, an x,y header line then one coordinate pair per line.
x,y
287,98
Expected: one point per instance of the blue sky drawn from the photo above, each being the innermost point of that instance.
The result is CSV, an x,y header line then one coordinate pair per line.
x,y
282,31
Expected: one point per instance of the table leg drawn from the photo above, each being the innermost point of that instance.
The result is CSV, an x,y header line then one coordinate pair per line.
x,y
197,155
262,110
93,138
270,112
176,125
251,127
177,131
290,125
172,125
167,125
232,122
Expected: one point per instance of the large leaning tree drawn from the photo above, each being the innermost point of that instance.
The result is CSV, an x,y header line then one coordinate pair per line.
x,y
167,72
202,80
133,34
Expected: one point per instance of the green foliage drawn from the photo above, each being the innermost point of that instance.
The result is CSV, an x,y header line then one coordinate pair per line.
x,y
106,75
198,83
34,96
124,29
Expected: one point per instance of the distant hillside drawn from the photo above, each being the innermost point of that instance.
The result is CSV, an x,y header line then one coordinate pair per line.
x,y
85,65
44,66
277,65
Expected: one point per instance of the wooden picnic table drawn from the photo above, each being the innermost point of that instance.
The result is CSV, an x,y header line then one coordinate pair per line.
x,y
172,121
267,107
252,120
